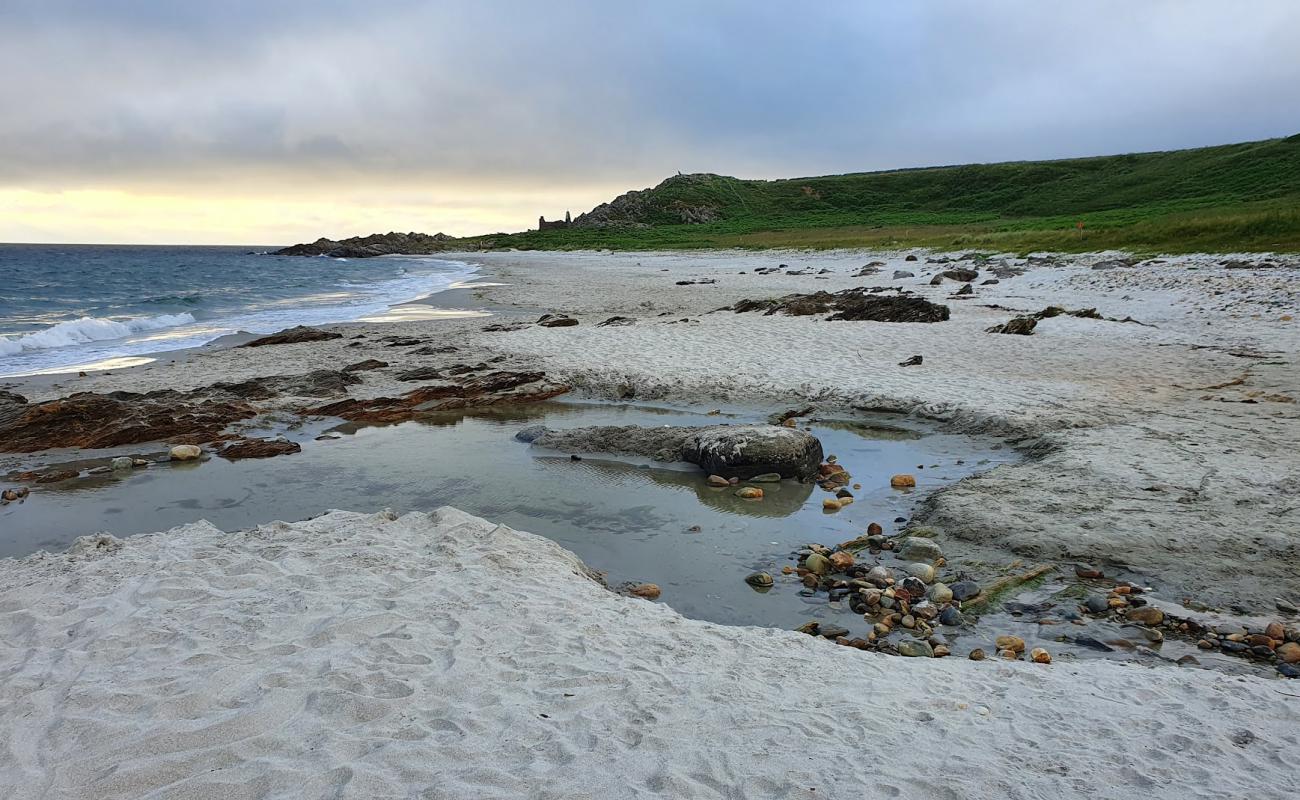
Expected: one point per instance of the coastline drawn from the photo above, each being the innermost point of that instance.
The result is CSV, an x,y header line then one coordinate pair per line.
x,y
1113,416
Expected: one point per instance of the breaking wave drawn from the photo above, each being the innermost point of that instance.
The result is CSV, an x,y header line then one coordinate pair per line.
x,y
89,329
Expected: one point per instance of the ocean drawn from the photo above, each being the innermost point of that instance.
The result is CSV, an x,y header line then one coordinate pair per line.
x,y
64,306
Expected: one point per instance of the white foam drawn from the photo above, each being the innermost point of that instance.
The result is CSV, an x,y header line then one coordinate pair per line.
x,y
89,329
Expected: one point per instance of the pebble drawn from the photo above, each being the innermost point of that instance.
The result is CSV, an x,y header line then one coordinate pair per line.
x,y
841,560
976,655
902,481
916,548
1096,604
1012,643
759,579
717,480
914,586
1289,653
950,616
1288,670
921,571
818,564
122,462
1040,656
1085,571
649,591
749,493
831,504
767,477
186,452
965,590
940,594
1274,630
874,529
1009,655
941,650
915,648
1146,615
908,621
832,631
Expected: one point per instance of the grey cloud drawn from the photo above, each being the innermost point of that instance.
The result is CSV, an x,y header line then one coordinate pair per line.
x,y
536,94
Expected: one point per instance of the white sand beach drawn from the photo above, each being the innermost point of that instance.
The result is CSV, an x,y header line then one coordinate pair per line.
x,y
442,656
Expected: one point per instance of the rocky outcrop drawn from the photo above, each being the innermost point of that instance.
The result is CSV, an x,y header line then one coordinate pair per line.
x,y
491,389
661,205
90,420
740,451
295,335
376,244
857,304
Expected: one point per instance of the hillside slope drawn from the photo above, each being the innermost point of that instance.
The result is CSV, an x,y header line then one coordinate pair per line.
x,y
1239,196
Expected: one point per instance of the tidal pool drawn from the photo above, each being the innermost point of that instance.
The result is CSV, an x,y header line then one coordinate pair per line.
x,y
633,521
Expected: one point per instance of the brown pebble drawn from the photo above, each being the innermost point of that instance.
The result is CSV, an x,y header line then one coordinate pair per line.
x,y
1040,656
976,655
649,591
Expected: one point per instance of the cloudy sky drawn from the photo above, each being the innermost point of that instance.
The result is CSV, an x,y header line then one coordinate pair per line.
x,y
263,122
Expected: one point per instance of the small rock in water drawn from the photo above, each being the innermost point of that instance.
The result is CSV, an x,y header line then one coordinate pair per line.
x,y
186,452
767,477
902,481
831,504
841,560
749,493
759,579
915,648
844,494
717,480
965,590
874,529
1040,656
976,655
832,631
818,564
122,463
649,591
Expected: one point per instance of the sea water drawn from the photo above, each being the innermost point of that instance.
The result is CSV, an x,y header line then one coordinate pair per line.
x,y
67,305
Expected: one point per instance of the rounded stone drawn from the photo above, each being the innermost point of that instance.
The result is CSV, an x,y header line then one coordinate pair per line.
x,y
818,564
950,616
919,570
759,579
186,452
915,648
965,590
917,548
940,594
902,481
1013,643
122,463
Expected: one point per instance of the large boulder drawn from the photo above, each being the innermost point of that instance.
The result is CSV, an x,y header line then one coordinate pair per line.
x,y
743,451
740,451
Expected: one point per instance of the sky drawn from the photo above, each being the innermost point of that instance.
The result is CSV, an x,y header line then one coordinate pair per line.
x,y
262,122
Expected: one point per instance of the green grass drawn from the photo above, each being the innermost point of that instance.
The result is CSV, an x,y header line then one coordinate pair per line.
x,y
1241,197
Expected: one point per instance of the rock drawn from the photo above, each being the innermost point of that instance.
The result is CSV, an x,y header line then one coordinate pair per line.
x,y
759,579
841,561
1019,326
556,321
818,564
940,594
874,529
746,450
122,463
1096,604
920,570
366,366
531,433
950,616
914,361
492,388
899,274
186,452
919,548
1040,656
1288,670
877,576
259,448
910,258
616,322
1146,615
965,590
649,591
843,494
767,477
717,481
376,244
1289,653
295,335
902,481
976,655
420,374
1084,571
1274,630
831,504
915,648
831,631
749,493
1013,643
914,586
960,275
859,304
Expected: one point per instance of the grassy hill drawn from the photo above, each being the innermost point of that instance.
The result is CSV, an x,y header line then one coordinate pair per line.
x,y
1231,197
